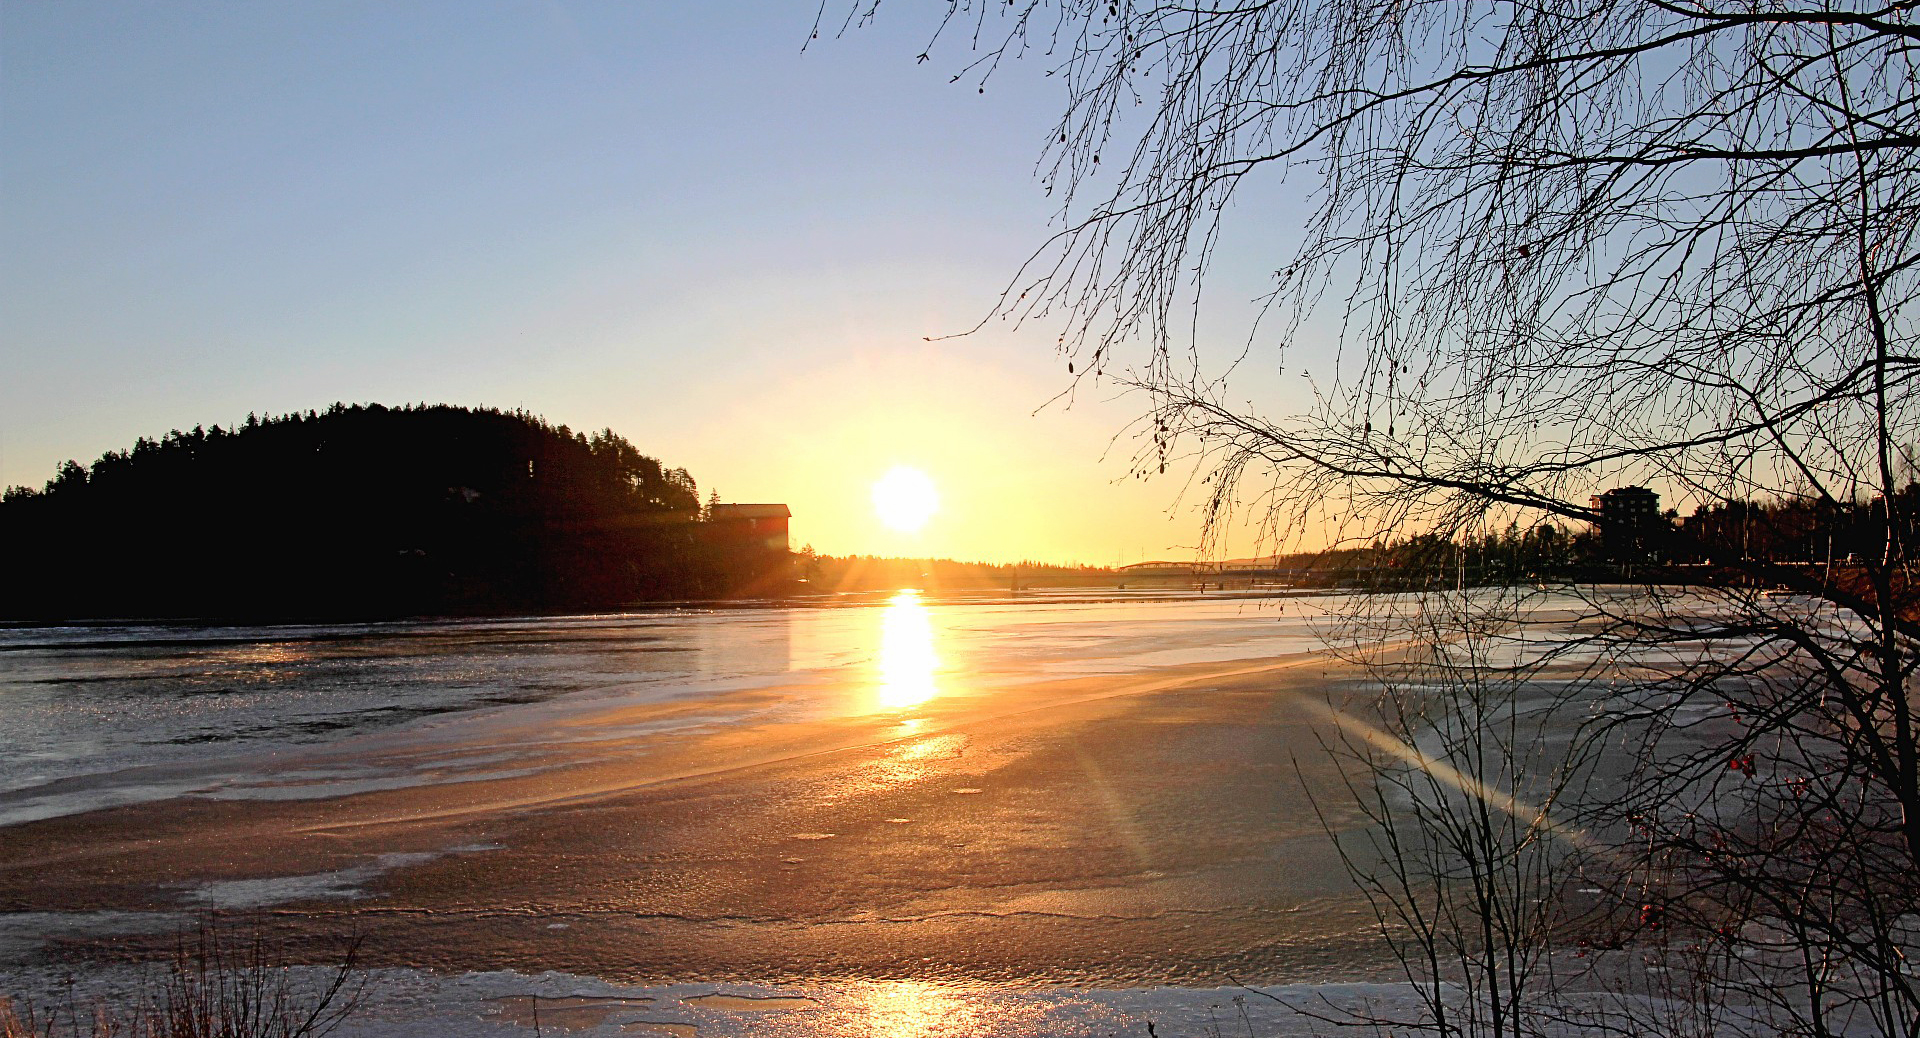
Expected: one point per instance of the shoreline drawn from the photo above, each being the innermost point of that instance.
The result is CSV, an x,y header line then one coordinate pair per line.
x,y
1063,595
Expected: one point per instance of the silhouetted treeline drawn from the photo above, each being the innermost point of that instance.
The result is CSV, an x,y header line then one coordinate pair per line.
x,y
361,511
1707,546
1797,530
1430,560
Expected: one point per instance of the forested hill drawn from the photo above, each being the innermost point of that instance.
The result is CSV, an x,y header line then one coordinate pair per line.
x,y
354,512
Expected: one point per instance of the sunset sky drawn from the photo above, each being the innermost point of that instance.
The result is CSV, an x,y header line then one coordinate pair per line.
x,y
656,217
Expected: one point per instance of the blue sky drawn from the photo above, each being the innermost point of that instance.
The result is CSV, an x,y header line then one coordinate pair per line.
x,y
657,217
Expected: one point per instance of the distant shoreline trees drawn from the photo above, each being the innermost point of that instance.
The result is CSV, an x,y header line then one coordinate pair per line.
x,y
830,574
367,512
358,511
1734,542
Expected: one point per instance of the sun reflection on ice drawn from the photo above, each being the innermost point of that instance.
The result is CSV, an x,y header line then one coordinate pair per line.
x,y
912,1009
923,1009
907,660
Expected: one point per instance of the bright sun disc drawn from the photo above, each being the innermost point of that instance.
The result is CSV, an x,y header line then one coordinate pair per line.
x,y
905,499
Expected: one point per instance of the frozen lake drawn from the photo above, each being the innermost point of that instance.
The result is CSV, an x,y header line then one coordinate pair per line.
x,y
1065,813
101,715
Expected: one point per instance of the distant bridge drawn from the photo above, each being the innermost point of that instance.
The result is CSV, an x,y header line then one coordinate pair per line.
x,y
1223,572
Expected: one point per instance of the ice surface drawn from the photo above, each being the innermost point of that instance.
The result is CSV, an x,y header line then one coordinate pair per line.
x,y
124,715
402,1003
100,716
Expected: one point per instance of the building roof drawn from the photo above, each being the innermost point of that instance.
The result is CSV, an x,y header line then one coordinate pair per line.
x,y
770,511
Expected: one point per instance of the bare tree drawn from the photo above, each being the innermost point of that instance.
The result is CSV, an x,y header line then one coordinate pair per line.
x,y
1563,245
1471,764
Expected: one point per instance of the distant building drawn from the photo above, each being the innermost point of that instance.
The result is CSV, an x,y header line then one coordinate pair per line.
x,y
753,548
1628,518
754,527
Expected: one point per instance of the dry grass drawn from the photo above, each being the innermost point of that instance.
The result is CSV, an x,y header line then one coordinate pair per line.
x,y
214,985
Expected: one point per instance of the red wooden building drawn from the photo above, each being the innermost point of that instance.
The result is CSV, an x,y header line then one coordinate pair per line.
x,y
754,553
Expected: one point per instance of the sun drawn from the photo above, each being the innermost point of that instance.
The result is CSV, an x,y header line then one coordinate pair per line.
x,y
904,499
